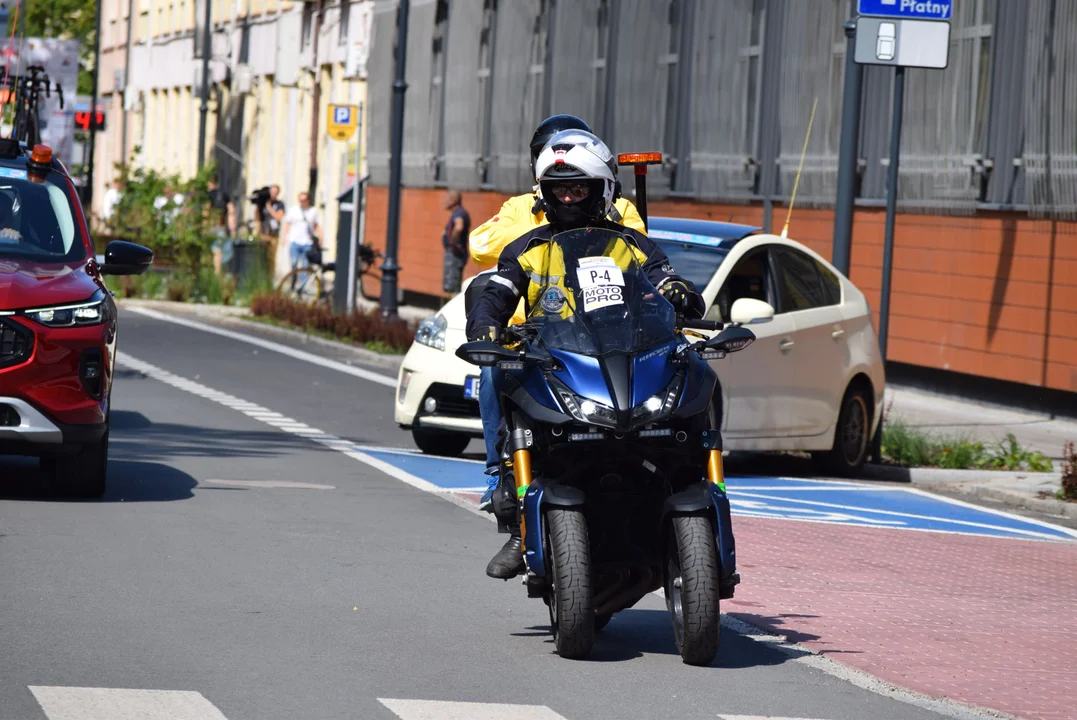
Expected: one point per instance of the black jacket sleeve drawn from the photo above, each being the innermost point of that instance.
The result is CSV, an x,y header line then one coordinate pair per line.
x,y
660,272
498,300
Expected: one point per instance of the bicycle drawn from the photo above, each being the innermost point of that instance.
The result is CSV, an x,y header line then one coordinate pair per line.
x,y
27,90
307,284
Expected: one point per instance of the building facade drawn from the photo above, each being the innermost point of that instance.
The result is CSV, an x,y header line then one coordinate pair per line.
x,y
261,101
985,273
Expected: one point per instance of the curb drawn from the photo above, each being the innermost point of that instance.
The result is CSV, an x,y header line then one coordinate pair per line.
x,y
236,317
936,476
1047,506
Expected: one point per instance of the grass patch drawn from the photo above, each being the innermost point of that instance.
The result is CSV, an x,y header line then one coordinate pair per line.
x,y
366,329
912,447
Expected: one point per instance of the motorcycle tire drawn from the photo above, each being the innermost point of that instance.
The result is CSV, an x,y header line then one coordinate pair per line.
x,y
572,612
692,589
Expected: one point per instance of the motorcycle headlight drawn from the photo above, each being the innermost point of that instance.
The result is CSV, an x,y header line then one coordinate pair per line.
x,y
92,312
587,411
431,332
658,407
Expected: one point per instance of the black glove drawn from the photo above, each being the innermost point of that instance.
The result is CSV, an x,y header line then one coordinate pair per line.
x,y
678,294
491,333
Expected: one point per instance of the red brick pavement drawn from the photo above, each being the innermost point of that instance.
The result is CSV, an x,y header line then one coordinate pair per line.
x,y
984,621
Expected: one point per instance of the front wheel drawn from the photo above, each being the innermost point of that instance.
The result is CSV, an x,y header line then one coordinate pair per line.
x,y
438,442
572,612
692,589
304,286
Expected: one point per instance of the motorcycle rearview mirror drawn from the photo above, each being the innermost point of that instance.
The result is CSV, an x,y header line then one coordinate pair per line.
x,y
732,339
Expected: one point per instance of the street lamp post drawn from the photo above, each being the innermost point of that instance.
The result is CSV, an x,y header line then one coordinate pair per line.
x,y
203,108
389,268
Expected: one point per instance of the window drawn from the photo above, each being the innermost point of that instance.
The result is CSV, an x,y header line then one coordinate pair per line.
x,y
752,56
536,96
42,217
695,264
670,66
437,89
750,278
600,68
830,283
345,18
486,87
308,25
801,284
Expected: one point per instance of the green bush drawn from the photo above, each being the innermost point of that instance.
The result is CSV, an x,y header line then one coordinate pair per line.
x,y
180,235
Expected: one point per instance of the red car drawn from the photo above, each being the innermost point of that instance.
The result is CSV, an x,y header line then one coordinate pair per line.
x,y
57,322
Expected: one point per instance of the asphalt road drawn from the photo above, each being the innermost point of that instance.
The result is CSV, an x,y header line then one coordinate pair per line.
x,y
248,571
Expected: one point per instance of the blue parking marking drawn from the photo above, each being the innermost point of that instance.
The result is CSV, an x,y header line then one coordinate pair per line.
x,y
804,499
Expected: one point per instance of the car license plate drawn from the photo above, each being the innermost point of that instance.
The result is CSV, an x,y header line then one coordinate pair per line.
x,y
471,387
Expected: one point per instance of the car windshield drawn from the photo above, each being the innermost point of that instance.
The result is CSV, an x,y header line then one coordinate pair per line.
x,y
37,219
595,298
692,262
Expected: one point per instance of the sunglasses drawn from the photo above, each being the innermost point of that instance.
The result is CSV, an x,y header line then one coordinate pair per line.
x,y
575,191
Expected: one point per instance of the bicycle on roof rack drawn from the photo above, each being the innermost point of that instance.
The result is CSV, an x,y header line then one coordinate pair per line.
x,y
26,91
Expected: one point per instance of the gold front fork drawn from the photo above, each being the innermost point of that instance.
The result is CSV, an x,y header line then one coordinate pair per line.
x,y
521,465
715,471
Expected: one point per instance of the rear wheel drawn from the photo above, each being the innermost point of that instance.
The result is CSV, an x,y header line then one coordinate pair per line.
x,y
83,474
852,436
572,612
692,589
437,442
302,285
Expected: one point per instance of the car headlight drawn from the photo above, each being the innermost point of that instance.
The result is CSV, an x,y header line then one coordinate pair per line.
x,y
658,407
92,312
431,332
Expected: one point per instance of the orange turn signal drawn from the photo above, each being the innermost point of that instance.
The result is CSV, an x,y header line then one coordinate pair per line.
x,y
648,158
42,154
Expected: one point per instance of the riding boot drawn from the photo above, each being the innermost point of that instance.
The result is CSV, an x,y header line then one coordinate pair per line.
x,y
509,560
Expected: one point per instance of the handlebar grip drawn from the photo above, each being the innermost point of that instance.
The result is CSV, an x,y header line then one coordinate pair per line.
x,y
703,325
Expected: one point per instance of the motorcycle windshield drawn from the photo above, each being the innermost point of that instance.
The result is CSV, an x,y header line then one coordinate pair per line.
x,y
594,297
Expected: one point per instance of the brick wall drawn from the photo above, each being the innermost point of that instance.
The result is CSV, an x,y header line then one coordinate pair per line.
x,y
992,295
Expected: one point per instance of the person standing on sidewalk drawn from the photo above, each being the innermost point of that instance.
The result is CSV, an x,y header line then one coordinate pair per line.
x,y
454,241
302,230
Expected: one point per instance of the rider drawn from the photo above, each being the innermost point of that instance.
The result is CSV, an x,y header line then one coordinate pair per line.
x,y
577,182
518,215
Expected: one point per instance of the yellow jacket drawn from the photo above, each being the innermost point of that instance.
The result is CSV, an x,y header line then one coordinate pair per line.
x,y
515,219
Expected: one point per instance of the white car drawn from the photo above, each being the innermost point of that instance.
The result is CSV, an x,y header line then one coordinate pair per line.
x,y
812,381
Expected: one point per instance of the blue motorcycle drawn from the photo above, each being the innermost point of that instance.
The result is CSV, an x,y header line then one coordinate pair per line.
x,y
613,443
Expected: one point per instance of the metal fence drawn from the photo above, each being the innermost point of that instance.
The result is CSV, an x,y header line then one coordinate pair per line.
x,y
724,89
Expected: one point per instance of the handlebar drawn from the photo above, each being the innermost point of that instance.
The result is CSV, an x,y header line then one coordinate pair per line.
x,y
702,324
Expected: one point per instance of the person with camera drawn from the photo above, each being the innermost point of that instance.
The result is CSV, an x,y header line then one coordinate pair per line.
x,y
302,230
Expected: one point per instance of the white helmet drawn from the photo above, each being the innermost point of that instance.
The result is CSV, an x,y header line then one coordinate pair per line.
x,y
576,157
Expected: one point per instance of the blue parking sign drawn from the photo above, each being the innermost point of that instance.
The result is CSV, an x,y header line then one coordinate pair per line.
x,y
342,115
908,9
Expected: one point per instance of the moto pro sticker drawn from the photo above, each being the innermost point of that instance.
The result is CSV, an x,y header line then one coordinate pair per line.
x,y
600,296
12,173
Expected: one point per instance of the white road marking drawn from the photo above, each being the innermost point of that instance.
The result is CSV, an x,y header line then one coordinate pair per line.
x,y
441,710
375,377
282,423
270,484
81,703
993,511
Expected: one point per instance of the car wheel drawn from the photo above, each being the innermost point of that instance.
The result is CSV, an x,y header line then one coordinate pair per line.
x,y
82,474
852,436
439,442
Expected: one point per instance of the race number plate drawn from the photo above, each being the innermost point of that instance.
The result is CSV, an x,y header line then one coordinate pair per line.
x,y
471,387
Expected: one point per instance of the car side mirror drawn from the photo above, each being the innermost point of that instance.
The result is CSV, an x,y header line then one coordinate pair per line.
x,y
731,339
749,311
485,353
126,258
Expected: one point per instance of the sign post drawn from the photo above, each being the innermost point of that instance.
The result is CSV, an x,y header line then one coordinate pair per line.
x,y
342,122
901,33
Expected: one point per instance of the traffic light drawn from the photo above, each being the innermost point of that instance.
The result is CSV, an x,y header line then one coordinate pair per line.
x,y
84,120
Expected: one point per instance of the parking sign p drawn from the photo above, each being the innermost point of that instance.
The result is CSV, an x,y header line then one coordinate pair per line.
x,y
342,115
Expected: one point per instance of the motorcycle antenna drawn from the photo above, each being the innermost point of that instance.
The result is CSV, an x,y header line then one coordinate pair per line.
x,y
640,161
803,152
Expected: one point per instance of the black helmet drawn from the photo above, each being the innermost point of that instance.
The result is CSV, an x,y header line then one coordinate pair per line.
x,y
550,127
